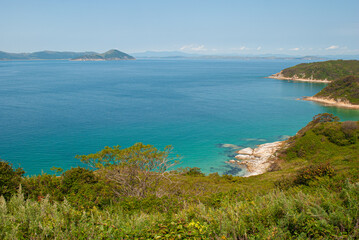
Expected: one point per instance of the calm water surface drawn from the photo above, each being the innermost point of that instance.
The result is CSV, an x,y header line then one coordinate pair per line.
x,y
52,110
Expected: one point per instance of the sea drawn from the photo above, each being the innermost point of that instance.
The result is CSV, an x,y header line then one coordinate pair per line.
x,y
51,111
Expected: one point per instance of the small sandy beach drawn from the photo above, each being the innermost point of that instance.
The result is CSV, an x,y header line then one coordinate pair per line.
x,y
331,102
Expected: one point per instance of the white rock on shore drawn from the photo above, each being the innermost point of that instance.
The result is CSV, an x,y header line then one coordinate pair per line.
x,y
280,76
257,160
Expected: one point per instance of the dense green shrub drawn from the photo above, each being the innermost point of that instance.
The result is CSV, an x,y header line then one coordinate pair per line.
x,y
75,178
151,204
88,196
351,130
341,134
10,179
38,187
82,188
310,173
194,172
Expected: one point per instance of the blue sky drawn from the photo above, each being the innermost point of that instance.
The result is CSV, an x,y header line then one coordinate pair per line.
x,y
195,26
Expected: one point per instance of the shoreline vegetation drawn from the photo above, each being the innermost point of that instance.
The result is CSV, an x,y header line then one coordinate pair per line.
x,y
311,191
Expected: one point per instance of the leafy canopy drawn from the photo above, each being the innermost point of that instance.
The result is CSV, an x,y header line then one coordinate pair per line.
x,y
145,157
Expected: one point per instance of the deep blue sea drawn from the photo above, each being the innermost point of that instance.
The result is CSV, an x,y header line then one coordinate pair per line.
x,y
52,110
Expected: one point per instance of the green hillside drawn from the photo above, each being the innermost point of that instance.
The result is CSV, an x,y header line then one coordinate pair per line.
x,y
345,89
312,192
330,70
109,55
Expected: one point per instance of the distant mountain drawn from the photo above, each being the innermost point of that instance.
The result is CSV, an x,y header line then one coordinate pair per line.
x,y
43,55
107,56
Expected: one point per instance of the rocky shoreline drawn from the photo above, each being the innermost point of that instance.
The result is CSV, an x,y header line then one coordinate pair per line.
x,y
280,76
332,102
258,160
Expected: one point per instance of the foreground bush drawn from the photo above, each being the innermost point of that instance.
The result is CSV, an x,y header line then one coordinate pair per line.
x,y
307,174
9,179
328,210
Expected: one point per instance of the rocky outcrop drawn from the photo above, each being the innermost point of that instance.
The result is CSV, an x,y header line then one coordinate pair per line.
x,y
258,160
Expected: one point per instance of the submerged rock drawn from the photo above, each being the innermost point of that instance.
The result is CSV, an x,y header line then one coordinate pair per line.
x,y
229,145
255,139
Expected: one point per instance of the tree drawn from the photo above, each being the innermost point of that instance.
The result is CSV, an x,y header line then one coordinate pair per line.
x,y
325,117
136,170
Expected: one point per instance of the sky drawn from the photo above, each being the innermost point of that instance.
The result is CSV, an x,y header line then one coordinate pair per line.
x,y
315,27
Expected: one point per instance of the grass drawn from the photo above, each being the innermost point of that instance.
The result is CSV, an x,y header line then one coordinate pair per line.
x,y
326,209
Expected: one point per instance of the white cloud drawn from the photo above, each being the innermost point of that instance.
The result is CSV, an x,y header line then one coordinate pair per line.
x,y
294,49
259,48
239,49
193,47
332,47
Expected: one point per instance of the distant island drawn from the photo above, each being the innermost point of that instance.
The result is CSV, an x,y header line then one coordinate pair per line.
x,y
54,55
342,76
107,56
320,71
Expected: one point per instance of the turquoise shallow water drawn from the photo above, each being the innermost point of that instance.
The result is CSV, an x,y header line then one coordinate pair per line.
x,y
52,110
